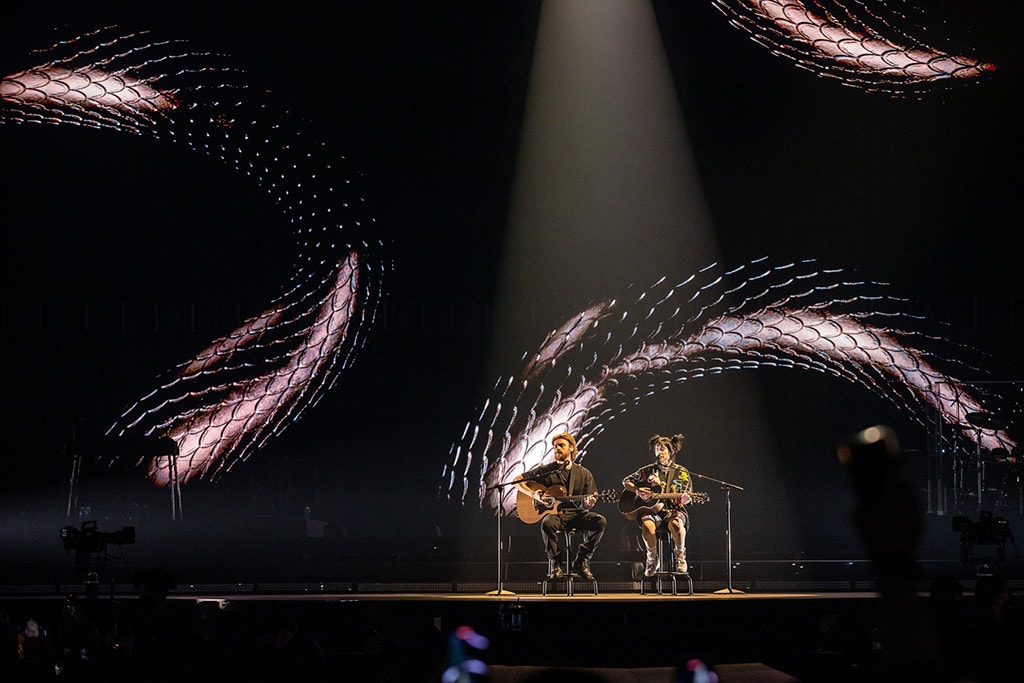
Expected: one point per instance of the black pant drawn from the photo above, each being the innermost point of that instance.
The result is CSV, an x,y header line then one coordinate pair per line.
x,y
592,524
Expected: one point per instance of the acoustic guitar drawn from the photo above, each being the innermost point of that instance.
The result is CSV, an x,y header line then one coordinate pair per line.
x,y
633,507
532,511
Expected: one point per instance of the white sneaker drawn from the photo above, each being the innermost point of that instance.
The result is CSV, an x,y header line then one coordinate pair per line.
x,y
651,565
681,565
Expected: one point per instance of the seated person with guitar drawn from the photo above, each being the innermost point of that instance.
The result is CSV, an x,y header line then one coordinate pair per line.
x,y
550,493
656,495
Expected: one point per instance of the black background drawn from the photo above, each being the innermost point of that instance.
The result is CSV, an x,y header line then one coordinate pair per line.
x,y
428,100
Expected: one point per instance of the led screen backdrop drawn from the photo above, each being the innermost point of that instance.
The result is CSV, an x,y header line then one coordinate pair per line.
x,y
293,275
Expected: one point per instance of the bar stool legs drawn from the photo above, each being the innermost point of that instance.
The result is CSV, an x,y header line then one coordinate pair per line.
x,y
666,570
569,576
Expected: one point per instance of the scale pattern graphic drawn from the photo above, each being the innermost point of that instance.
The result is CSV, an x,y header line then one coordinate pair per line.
x,y
850,41
608,358
226,401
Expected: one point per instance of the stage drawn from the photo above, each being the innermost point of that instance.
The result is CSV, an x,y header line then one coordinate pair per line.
x,y
390,606
787,624
405,635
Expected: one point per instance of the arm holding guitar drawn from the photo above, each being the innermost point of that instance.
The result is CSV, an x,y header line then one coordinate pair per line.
x,y
643,494
633,487
537,493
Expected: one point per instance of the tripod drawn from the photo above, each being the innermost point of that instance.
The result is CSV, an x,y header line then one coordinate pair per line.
x,y
728,488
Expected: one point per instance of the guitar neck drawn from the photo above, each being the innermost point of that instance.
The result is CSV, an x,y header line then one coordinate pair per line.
x,y
693,496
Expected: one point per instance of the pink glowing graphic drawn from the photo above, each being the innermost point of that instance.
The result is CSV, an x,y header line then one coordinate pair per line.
x,y
225,403
238,416
90,88
611,356
850,42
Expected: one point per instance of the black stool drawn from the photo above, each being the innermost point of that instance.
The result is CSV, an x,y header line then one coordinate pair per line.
x,y
569,576
666,570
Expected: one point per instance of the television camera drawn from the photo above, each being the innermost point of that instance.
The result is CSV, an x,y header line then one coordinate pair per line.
x,y
987,531
90,544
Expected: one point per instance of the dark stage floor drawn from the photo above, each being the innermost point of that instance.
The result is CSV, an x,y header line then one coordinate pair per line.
x,y
395,632
405,636
388,611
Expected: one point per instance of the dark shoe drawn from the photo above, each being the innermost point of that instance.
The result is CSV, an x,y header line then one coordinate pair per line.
x,y
583,569
557,572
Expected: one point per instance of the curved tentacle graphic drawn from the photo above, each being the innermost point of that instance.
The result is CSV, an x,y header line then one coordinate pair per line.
x,y
850,42
613,355
225,402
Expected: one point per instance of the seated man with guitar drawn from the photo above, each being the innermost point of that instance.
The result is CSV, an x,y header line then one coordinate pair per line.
x,y
561,495
657,495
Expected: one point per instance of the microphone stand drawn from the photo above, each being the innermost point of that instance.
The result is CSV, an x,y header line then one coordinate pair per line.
x,y
550,467
728,488
501,586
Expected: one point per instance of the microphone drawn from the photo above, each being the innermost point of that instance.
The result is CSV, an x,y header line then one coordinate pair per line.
x,y
542,470
547,469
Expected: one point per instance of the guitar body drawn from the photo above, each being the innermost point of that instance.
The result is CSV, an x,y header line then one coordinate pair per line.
x,y
532,511
633,507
